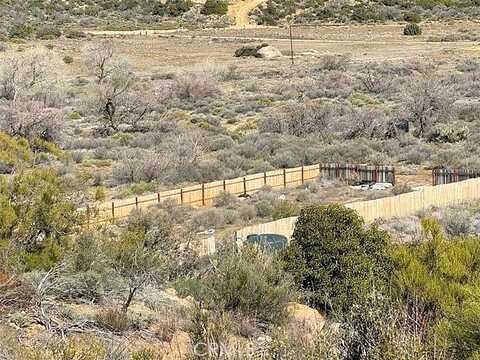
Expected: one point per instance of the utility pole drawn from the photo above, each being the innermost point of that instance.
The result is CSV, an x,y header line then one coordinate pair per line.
x,y
291,42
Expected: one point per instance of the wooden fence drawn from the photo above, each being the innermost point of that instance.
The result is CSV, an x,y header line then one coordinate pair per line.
x,y
447,176
204,194
386,208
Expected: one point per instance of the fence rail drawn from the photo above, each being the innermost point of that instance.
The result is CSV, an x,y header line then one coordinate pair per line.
x,y
204,194
448,176
386,208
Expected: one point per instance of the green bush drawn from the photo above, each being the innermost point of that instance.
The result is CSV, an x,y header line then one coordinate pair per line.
x,y
37,214
449,133
67,59
215,7
248,283
100,193
412,30
178,7
336,260
438,281
13,153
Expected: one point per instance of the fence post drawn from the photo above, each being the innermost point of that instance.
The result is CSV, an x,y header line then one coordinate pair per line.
x,y
113,211
264,178
303,176
203,194
394,179
88,216
136,202
158,196
244,186
181,196
224,185
284,178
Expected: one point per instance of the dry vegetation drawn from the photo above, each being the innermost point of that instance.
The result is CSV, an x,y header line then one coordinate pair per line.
x,y
99,118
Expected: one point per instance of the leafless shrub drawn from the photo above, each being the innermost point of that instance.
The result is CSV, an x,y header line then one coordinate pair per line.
x,y
101,60
334,62
376,78
299,119
30,76
426,102
186,148
467,111
366,122
139,166
224,199
401,189
466,84
193,86
330,84
208,218
119,101
456,222
113,319
219,72
31,120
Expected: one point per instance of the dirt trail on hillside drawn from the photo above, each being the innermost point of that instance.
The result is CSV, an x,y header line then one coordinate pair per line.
x,y
240,11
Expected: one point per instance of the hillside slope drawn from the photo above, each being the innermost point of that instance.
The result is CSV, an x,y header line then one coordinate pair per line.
x,y
241,11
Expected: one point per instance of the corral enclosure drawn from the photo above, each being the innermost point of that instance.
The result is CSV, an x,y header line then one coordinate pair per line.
x,y
204,194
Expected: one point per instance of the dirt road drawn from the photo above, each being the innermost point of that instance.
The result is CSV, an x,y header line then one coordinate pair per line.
x,y
240,11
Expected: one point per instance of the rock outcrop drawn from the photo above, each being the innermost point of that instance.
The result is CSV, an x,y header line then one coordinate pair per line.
x,y
263,51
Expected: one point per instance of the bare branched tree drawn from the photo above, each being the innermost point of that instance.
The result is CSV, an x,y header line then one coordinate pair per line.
x,y
426,102
117,97
30,76
101,60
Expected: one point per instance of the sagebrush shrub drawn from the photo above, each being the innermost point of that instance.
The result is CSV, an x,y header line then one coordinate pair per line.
x,y
249,283
48,32
284,209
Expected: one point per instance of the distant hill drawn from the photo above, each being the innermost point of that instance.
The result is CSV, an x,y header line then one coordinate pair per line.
x,y
310,11
21,18
27,18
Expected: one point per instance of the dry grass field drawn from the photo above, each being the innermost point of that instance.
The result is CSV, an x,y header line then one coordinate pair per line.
x,y
362,42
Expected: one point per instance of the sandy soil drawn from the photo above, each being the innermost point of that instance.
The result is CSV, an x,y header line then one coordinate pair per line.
x,y
363,43
240,11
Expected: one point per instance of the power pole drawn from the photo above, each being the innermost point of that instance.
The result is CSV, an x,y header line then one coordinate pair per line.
x,y
291,42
